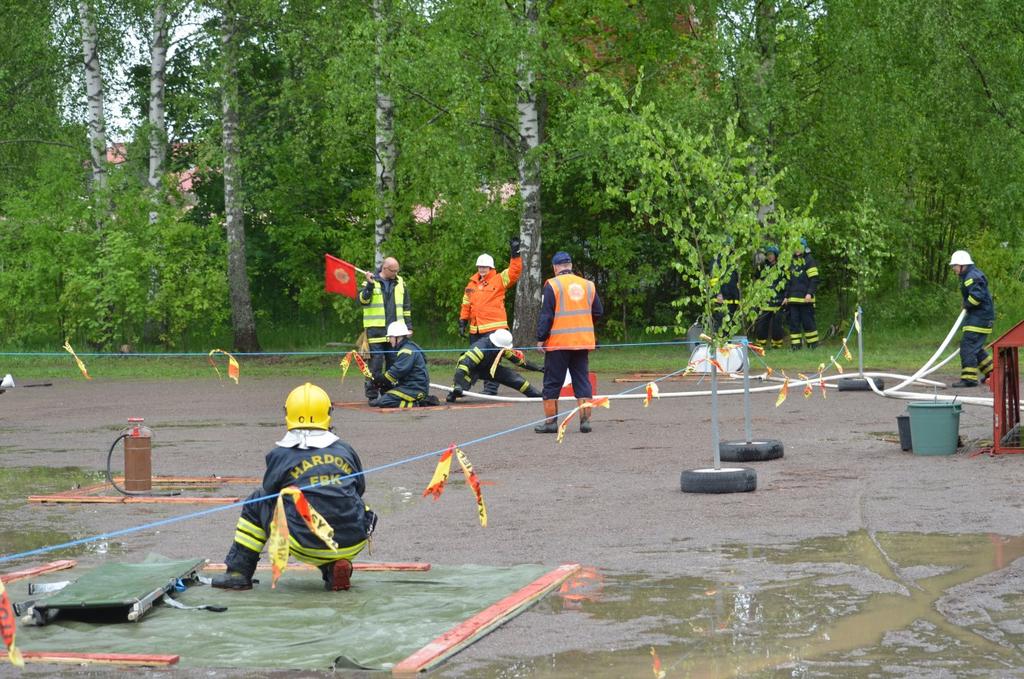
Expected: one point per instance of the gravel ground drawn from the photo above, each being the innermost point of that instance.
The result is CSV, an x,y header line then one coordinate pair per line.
x,y
610,499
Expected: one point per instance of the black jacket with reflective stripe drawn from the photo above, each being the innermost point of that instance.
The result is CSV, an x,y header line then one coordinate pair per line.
x,y
977,299
336,498
803,278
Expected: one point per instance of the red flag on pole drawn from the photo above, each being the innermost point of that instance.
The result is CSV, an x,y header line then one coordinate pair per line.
x,y
339,276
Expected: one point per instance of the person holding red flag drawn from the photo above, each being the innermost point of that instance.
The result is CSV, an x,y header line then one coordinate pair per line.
x,y
385,299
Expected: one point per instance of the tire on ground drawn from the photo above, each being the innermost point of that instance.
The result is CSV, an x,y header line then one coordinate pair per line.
x,y
724,480
859,384
753,451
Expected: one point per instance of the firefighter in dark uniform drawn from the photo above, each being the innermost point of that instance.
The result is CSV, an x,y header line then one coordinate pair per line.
x,y
768,327
981,316
329,473
799,301
477,363
406,383
385,299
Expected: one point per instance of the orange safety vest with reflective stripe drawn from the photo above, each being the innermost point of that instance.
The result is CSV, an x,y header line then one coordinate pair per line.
x,y
483,302
573,325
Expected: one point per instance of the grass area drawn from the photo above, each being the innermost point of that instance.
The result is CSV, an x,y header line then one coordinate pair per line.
x,y
903,350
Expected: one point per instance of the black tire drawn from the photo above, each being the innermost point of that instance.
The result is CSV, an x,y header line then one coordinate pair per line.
x,y
724,480
859,384
754,451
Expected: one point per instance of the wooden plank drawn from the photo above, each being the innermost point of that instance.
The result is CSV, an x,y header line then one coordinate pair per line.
x,y
359,566
480,624
61,565
134,659
195,480
135,499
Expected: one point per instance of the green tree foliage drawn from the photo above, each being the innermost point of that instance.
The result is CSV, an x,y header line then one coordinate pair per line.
x,y
887,132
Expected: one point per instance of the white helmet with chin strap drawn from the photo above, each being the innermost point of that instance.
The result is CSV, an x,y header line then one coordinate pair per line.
x,y
485,260
960,258
502,338
398,329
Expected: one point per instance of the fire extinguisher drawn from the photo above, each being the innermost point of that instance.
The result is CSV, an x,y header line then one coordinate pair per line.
x,y
138,460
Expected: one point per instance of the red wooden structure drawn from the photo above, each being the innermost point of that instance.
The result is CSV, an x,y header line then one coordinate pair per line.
x,y
1005,384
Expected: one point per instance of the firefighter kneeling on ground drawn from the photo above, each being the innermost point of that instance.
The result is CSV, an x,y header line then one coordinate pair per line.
x,y
406,383
484,358
328,472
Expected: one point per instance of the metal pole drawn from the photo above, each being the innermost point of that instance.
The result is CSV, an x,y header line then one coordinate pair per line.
x,y
714,408
746,391
860,342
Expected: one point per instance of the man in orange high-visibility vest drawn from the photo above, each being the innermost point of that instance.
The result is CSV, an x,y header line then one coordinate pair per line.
x,y
565,333
483,302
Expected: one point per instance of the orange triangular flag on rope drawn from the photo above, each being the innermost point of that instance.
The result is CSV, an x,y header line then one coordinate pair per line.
x,y
821,368
856,322
846,351
768,371
278,544
345,362
656,665
362,366
78,361
474,483
8,627
602,402
759,350
441,472
782,392
821,383
563,424
233,368
836,364
808,391
715,363
652,393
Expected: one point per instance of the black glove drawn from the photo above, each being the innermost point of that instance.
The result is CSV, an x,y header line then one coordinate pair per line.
x,y
380,381
531,366
463,326
369,521
513,248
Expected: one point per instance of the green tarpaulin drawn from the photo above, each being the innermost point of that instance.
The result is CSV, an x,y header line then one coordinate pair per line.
x,y
384,618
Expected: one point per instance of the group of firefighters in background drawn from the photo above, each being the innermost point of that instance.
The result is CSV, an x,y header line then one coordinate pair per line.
x,y
398,366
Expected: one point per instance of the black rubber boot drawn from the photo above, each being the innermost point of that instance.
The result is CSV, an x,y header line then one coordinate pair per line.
x,y
231,580
241,564
964,384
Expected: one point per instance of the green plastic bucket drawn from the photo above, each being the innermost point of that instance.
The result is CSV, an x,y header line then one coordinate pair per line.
x,y
934,427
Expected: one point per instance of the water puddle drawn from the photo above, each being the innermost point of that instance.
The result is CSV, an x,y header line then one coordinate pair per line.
x,y
861,605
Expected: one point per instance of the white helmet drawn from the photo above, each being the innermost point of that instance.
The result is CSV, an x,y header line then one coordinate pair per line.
x,y
485,260
398,329
960,257
502,338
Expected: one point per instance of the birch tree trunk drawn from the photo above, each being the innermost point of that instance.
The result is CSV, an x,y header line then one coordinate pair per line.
x,y
157,83
384,146
528,290
94,95
242,321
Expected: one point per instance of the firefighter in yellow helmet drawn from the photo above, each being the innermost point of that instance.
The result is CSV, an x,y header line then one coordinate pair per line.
x,y
330,475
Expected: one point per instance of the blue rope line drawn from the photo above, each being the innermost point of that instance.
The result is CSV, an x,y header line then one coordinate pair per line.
x,y
194,354
207,512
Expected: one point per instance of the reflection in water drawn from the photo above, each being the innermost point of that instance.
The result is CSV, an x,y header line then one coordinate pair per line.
x,y
860,605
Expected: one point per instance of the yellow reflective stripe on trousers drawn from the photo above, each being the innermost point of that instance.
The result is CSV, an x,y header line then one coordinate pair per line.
x,y
978,329
318,557
975,302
